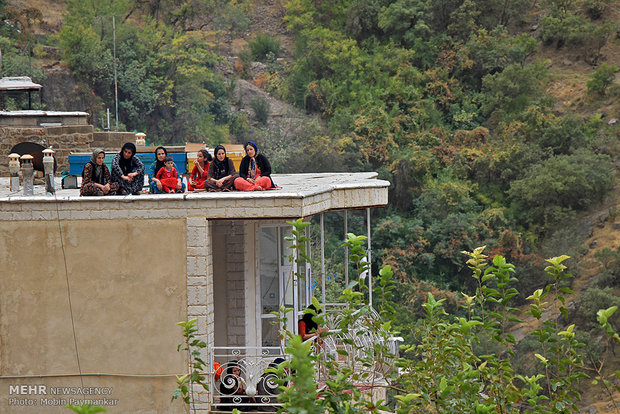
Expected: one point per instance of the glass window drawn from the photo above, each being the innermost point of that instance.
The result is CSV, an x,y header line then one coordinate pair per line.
x,y
269,269
276,280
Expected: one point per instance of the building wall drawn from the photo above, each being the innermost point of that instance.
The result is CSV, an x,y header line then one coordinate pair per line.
x,y
63,139
229,237
220,288
130,281
112,140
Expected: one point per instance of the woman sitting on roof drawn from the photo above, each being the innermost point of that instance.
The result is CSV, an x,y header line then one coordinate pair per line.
x,y
128,170
221,175
254,171
96,177
155,186
200,171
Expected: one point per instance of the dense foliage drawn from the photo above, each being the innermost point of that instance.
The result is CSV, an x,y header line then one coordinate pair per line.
x,y
168,84
454,363
446,101
444,98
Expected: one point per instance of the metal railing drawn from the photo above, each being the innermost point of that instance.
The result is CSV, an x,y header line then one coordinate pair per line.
x,y
364,351
239,378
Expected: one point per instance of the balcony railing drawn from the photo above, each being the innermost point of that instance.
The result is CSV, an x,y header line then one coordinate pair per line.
x,y
252,388
364,351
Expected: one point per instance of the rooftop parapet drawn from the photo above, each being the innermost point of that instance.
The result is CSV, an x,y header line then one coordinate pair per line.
x,y
300,195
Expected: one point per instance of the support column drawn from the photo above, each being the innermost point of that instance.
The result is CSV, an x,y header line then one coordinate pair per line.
x,y
369,257
346,251
322,259
200,292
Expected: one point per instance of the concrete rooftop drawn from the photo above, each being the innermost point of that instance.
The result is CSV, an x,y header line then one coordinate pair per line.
x,y
300,195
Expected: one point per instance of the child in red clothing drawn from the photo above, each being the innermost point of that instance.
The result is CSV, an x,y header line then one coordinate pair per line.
x,y
199,173
168,175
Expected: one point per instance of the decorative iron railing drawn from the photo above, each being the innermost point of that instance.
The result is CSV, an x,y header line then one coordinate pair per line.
x,y
240,379
368,352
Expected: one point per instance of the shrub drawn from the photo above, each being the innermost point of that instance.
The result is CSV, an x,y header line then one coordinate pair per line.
x,y
592,300
595,8
261,109
244,64
554,189
512,90
563,136
594,39
562,31
602,78
263,45
238,124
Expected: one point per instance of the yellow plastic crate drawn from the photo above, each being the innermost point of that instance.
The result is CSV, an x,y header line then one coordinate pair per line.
x,y
233,151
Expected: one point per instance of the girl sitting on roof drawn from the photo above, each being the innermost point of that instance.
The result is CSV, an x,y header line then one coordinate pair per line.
x,y
155,186
254,171
200,171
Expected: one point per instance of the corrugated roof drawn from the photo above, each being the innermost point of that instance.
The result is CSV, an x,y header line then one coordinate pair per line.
x,y
18,83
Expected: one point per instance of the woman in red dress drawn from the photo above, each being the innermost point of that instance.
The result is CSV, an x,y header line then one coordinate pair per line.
x,y
254,171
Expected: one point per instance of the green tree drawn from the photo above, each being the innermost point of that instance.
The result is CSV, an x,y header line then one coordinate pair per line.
x,y
602,78
561,185
512,90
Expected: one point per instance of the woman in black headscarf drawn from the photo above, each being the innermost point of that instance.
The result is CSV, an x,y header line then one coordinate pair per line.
x,y
128,170
96,177
267,388
254,171
222,174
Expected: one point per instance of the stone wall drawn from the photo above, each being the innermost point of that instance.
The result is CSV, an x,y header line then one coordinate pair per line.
x,y
63,139
200,292
229,267
112,141
235,283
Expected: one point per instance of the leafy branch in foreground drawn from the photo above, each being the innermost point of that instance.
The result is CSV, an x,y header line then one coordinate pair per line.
x,y
197,366
442,371
85,408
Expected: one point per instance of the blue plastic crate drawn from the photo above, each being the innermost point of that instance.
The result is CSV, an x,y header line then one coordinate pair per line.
x,y
77,161
179,158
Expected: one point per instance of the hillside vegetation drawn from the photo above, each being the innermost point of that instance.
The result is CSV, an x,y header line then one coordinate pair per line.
x,y
495,121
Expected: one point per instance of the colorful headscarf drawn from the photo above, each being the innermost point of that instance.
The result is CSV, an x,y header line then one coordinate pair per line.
x,y
252,167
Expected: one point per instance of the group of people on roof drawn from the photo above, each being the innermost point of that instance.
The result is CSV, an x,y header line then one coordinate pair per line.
x,y
210,172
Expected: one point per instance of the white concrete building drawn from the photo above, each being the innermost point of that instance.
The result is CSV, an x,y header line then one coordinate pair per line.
x,y
91,288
